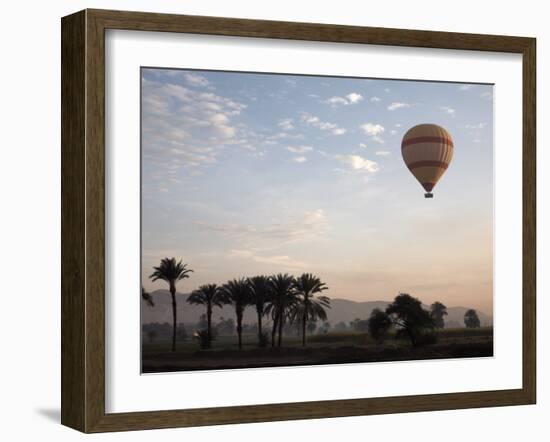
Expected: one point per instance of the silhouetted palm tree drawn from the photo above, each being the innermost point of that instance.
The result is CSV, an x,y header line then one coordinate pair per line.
x,y
259,285
147,298
309,307
237,293
208,295
283,297
171,271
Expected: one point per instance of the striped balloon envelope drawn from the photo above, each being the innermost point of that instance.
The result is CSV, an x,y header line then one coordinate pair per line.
x,y
427,150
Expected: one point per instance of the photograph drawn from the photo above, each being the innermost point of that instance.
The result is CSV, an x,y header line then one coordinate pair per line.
x,y
303,220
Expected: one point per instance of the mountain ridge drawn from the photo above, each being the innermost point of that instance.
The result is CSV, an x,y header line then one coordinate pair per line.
x,y
342,310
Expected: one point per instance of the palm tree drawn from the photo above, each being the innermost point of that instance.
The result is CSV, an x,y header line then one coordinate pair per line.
x,y
171,271
282,299
259,286
237,293
310,308
209,296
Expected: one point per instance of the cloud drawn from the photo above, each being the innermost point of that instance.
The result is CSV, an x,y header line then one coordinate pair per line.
x,y
354,97
487,95
351,98
300,159
221,123
195,80
363,145
476,126
312,120
372,129
375,99
448,110
382,153
286,124
184,129
311,224
279,261
357,162
335,101
465,87
299,149
397,105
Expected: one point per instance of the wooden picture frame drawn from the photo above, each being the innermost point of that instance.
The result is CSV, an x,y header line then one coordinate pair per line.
x,y
83,220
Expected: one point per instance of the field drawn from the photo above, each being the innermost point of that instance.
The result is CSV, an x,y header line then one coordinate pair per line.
x,y
329,348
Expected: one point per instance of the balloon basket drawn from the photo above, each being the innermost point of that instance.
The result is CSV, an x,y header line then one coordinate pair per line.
x,y
428,195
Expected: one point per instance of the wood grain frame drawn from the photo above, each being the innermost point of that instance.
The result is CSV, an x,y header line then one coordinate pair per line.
x,y
83,220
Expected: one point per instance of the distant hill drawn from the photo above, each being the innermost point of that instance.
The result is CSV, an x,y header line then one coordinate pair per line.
x,y
341,310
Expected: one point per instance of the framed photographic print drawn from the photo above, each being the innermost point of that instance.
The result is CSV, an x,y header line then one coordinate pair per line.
x,y
264,207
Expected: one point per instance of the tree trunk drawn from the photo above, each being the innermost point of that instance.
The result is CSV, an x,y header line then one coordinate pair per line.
x,y
304,319
174,315
281,317
259,328
274,330
240,329
209,323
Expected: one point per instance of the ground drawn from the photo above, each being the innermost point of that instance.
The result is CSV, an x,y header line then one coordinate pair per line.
x,y
330,348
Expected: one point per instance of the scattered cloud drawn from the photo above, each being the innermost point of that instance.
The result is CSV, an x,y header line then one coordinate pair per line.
x,y
372,129
354,97
351,98
299,149
382,153
448,110
357,162
278,261
195,79
363,145
286,124
336,101
375,99
465,87
476,126
311,224
397,105
184,128
487,95
314,121
339,131
300,159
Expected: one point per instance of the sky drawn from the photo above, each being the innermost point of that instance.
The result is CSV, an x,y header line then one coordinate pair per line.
x,y
251,173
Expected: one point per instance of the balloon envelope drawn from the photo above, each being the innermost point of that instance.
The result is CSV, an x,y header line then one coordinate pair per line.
x,y
427,150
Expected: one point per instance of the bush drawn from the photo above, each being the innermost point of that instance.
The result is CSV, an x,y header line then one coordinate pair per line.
x,y
203,338
427,338
263,340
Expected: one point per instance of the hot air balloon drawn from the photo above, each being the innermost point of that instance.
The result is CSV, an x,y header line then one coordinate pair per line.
x,y
427,150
